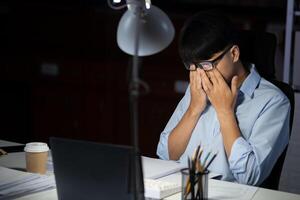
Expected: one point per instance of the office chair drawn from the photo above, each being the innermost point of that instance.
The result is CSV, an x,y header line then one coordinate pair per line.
x,y
259,48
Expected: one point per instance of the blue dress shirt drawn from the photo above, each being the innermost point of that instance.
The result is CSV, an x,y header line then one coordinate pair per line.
x,y
262,113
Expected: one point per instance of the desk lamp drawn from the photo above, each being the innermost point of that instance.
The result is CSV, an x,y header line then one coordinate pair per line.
x,y
143,30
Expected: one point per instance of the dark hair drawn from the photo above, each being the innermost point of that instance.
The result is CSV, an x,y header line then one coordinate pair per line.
x,y
205,34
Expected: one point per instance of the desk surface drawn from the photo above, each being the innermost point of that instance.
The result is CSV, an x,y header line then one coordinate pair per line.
x,y
261,194
17,160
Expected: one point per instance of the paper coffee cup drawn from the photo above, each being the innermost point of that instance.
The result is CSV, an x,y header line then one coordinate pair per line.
x,y
36,157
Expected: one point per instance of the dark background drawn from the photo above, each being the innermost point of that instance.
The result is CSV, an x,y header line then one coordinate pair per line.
x,y
62,73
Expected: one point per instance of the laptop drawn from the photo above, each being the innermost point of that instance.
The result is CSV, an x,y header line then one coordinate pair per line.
x,y
89,170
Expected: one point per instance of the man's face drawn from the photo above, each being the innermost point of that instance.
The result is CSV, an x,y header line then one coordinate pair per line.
x,y
223,62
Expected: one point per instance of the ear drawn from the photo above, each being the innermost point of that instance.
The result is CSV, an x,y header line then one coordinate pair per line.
x,y
235,53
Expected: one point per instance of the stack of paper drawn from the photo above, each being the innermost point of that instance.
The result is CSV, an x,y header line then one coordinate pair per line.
x,y
50,169
15,183
157,189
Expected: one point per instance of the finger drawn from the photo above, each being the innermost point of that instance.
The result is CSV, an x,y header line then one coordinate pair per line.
x,y
192,67
212,77
234,85
198,80
218,75
201,83
192,76
205,88
205,81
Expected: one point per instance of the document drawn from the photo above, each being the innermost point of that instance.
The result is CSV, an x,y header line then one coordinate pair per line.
x,y
14,183
229,190
156,168
218,189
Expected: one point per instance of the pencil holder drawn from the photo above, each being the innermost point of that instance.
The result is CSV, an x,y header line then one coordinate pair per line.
x,y
194,185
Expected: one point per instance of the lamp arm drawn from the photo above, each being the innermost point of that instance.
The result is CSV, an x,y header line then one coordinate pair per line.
x,y
133,105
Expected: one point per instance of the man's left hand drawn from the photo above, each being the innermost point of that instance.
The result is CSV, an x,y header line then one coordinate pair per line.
x,y
221,96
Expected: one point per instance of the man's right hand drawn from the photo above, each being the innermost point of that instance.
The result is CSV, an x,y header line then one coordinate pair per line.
x,y
181,134
198,95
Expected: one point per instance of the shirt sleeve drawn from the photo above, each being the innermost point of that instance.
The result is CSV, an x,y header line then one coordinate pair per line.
x,y
252,160
162,148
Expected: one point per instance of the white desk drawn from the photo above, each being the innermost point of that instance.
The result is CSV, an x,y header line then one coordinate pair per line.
x,y
17,160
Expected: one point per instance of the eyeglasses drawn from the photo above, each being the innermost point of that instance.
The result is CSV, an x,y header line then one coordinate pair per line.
x,y
207,65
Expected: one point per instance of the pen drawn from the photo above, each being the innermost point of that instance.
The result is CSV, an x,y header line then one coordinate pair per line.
x,y
195,169
192,179
199,167
205,168
188,183
195,154
205,159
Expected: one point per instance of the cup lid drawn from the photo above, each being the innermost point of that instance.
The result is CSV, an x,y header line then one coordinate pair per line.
x,y
36,147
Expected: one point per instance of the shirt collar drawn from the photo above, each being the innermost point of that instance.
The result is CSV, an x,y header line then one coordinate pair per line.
x,y
251,82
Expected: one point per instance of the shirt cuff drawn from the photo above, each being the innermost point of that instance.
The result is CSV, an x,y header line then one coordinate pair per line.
x,y
239,155
162,149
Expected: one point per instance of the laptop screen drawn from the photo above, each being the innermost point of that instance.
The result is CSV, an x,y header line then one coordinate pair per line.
x,y
88,170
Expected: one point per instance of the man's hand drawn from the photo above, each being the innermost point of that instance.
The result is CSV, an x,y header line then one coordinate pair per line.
x,y
181,134
198,96
221,96
223,99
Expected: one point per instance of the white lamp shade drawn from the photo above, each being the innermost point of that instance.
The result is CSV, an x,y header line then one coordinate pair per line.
x,y
156,32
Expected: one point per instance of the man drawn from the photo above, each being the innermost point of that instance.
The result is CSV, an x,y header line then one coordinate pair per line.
x,y
228,107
